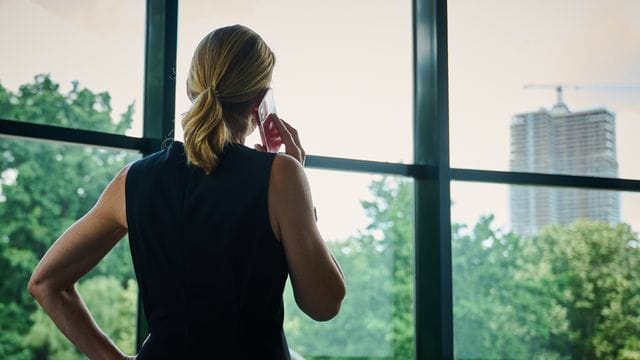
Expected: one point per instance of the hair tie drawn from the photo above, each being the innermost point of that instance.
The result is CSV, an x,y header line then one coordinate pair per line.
x,y
215,91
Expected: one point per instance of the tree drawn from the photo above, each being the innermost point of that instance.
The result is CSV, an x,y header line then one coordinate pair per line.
x,y
572,292
46,186
591,272
497,315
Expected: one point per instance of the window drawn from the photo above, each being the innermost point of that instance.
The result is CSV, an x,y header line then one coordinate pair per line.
x,y
62,48
366,112
538,271
497,48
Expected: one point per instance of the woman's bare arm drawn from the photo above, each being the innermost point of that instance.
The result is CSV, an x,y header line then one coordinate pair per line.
x,y
76,252
318,282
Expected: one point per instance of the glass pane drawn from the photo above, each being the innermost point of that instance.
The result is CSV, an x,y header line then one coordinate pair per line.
x,y
370,231
343,73
545,86
545,272
53,52
44,188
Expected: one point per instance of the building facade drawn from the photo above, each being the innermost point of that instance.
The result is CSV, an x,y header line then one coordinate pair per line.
x,y
559,141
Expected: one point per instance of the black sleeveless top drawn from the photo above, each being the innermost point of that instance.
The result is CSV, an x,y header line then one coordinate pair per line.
x,y
210,270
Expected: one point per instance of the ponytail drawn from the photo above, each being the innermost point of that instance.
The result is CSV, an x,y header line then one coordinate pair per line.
x,y
205,132
229,69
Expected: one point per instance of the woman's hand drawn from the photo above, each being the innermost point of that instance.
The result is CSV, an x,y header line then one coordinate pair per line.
x,y
289,137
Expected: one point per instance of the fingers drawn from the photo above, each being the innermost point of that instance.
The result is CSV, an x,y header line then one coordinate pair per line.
x,y
292,131
296,138
259,147
289,137
285,134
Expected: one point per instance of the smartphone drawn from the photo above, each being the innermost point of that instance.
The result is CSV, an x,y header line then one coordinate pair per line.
x,y
268,131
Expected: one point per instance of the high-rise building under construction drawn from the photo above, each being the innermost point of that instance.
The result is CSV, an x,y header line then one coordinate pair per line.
x,y
559,141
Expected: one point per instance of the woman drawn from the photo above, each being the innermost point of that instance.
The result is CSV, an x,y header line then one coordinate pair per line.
x,y
214,227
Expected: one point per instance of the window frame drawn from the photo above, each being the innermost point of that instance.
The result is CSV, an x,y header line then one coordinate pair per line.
x,y
430,171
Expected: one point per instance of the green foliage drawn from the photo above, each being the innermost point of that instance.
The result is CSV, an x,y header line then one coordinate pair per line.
x,y
42,102
572,292
591,270
44,187
491,308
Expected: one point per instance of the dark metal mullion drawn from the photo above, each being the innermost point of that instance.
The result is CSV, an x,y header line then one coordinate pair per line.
x,y
538,179
148,145
74,136
159,93
377,167
433,284
160,67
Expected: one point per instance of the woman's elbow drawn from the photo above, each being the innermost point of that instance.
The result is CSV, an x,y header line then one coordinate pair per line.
x,y
327,313
38,287
35,287
330,307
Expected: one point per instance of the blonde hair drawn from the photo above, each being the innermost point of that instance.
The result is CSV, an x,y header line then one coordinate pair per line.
x,y
231,66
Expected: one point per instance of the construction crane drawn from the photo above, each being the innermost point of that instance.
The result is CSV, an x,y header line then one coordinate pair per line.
x,y
560,87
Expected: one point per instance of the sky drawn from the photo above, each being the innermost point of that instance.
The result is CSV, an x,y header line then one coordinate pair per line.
x,y
344,76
